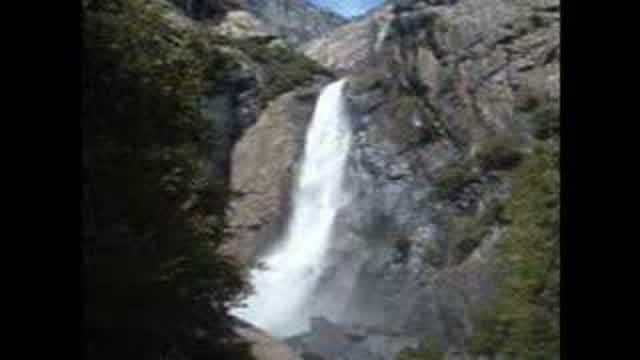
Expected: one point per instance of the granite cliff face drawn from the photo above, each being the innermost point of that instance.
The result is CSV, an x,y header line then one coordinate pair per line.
x,y
349,45
436,90
296,21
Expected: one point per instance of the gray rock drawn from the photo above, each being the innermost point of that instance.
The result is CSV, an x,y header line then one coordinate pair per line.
x,y
466,61
330,341
263,346
461,65
298,21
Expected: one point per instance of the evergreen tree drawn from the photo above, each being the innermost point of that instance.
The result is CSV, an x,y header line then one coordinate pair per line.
x,y
524,321
155,283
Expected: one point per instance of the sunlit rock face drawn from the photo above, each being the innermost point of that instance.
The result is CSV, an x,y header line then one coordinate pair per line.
x,y
298,21
349,45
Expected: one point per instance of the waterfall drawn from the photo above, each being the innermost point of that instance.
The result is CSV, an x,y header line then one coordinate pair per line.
x,y
293,268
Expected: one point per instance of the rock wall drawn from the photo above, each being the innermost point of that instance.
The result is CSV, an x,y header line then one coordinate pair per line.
x,y
350,45
298,21
431,83
434,84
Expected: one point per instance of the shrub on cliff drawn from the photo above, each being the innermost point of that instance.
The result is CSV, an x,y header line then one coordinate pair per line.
x,y
467,232
284,68
499,152
205,9
155,284
431,349
541,112
524,321
453,179
546,121
528,98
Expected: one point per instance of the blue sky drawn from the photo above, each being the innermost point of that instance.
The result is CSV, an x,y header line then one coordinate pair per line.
x,y
348,8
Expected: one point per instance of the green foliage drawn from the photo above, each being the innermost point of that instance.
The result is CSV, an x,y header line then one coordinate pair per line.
x,y
528,99
155,284
523,322
202,9
499,152
467,232
542,112
453,179
546,121
285,69
431,349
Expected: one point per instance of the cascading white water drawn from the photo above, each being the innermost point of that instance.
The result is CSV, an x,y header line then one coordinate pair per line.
x,y
294,267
